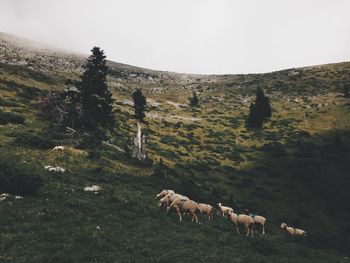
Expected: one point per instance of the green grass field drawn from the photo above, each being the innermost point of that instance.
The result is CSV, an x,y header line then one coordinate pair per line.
x,y
287,172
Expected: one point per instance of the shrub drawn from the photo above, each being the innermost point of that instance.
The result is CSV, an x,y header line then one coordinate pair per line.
x,y
33,140
10,117
28,93
17,177
7,103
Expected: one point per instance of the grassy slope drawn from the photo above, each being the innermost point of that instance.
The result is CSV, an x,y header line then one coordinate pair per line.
x,y
213,159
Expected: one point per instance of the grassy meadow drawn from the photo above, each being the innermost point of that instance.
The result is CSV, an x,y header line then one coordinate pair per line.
x,y
287,171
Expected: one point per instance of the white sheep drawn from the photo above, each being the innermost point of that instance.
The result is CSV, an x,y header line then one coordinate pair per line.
x,y
185,206
164,193
169,198
207,209
258,220
242,219
293,231
224,209
58,148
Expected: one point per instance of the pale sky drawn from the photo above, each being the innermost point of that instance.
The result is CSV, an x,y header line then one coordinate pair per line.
x,y
192,36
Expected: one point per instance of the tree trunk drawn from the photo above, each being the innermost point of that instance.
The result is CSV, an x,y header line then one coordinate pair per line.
x,y
139,144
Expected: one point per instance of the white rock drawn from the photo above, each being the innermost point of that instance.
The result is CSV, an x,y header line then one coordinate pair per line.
x,y
93,188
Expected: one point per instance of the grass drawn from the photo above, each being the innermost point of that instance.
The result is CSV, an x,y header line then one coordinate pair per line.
x,y
286,172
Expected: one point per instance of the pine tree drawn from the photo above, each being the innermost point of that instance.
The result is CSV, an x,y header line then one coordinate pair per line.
x,y
139,104
96,100
194,100
259,111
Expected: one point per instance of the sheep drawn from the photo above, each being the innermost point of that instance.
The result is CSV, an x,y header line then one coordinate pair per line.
x,y
224,209
47,167
258,220
58,148
169,198
185,206
242,219
207,209
293,231
164,193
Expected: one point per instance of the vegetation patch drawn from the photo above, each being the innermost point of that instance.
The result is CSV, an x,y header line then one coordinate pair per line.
x,y
32,140
18,177
10,117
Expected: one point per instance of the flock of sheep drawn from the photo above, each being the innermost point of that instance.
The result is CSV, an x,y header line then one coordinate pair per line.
x,y
182,204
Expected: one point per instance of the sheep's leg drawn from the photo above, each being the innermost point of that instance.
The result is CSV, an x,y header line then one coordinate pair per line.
x,y
236,226
179,214
248,231
196,217
252,231
263,229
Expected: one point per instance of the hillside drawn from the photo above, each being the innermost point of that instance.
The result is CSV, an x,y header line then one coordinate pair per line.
x,y
287,172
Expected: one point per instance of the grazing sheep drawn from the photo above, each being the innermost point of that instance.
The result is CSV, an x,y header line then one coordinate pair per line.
x,y
293,231
242,219
58,148
185,206
258,220
224,209
169,198
164,193
207,209
46,167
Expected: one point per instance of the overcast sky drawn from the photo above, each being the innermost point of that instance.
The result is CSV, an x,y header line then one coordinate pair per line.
x,y
193,36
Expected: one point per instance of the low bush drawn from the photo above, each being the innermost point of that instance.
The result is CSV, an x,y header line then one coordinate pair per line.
x,y
33,140
10,117
17,177
7,103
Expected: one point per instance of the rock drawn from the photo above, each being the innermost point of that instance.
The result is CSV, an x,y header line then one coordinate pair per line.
x,y
93,188
4,196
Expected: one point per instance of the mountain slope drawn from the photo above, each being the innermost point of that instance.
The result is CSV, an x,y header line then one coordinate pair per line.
x,y
287,171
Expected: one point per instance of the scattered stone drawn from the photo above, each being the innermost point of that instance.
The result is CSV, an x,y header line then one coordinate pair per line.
x,y
93,188
4,196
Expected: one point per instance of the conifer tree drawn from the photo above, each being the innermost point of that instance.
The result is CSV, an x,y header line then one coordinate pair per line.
x,y
259,111
139,107
139,104
194,100
96,100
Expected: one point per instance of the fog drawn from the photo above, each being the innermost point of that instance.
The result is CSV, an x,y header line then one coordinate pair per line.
x,y
193,36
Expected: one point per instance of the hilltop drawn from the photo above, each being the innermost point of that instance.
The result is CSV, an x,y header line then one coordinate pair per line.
x,y
288,172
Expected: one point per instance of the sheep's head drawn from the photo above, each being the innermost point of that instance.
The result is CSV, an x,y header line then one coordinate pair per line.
x,y
283,225
219,204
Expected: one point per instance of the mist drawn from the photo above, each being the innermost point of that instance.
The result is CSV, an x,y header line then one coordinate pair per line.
x,y
197,36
